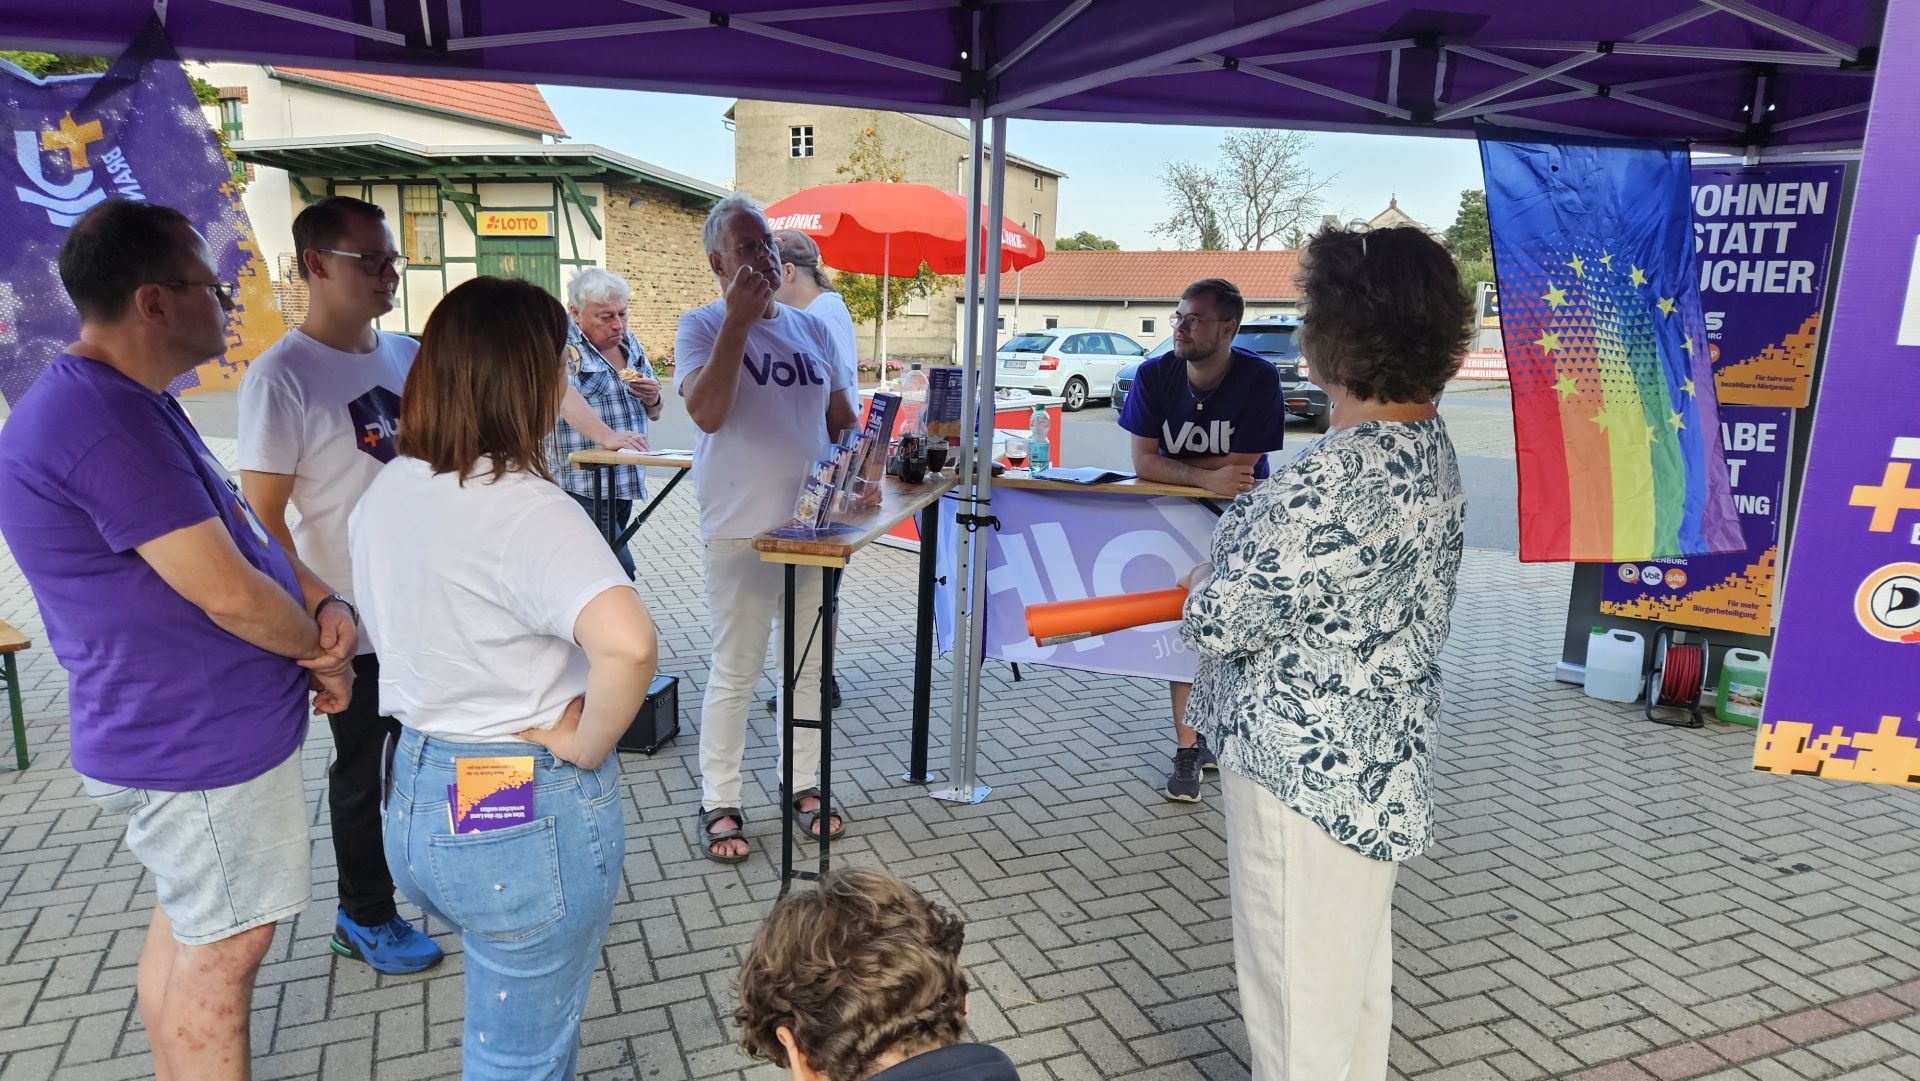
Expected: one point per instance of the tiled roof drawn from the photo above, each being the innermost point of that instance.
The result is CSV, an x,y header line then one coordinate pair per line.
x,y
1158,275
515,105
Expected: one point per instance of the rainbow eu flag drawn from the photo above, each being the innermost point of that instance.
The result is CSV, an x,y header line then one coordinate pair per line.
x,y
1616,429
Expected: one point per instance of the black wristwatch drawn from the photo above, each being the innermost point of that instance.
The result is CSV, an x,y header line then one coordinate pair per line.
x,y
331,598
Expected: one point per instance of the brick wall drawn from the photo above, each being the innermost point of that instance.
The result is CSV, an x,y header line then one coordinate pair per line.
x,y
655,244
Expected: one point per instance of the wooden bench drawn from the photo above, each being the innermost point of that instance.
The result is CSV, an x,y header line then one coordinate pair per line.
x,y
12,642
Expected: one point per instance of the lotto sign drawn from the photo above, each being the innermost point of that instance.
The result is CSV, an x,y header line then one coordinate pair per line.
x,y
515,222
1844,697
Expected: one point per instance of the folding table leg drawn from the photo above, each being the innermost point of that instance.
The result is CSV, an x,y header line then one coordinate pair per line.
x,y
16,710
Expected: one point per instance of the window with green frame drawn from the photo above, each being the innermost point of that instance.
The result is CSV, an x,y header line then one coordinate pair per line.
x,y
232,130
420,224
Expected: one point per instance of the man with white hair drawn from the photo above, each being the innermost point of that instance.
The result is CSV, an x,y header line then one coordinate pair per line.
x,y
762,386
610,370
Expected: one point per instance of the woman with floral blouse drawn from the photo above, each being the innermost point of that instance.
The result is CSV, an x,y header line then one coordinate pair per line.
x,y
1319,626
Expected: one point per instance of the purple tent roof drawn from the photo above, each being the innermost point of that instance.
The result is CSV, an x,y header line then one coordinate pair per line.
x,y
1728,73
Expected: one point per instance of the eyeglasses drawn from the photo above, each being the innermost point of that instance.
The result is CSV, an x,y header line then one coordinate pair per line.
x,y
225,292
754,247
1181,322
373,264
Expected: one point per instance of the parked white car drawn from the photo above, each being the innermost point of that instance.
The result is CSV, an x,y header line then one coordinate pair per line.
x,y
1073,363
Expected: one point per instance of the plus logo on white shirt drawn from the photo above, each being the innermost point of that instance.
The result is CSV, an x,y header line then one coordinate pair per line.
x,y
1213,437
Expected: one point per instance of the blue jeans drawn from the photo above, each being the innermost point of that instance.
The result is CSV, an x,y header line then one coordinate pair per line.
x,y
532,902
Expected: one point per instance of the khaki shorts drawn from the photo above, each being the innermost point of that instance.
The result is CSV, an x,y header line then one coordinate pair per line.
x,y
225,860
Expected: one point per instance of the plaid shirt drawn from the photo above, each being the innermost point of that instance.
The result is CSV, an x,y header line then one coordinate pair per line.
x,y
613,402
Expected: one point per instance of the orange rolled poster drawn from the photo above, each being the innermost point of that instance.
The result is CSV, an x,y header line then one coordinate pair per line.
x,y
1063,621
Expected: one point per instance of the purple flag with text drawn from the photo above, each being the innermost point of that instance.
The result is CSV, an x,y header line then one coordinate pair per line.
x,y
132,132
1843,700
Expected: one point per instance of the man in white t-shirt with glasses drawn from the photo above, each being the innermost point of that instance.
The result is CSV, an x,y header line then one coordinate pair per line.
x,y
760,381
319,411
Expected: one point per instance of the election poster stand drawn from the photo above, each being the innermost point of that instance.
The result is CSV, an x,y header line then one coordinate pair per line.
x,y
1767,248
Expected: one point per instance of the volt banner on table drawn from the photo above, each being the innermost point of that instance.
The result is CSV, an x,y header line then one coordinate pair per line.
x,y
1613,405
1058,546
1843,699
1732,592
132,132
1762,238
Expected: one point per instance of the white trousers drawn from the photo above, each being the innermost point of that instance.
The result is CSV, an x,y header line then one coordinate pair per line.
x,y
1312,942
746,597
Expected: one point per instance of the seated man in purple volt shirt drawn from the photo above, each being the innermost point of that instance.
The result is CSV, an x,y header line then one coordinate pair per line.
x,y
1203,414
189,637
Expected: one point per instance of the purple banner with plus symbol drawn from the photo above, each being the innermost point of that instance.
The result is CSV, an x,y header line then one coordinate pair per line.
x,y
1843,700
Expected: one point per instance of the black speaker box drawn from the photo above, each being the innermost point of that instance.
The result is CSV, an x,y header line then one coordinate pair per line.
x,y
658,720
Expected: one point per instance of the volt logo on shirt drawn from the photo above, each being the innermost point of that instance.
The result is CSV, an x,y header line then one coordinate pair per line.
x,y
1214,437
376,420
800,370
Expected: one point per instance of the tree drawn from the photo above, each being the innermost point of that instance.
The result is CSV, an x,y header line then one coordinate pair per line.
x,y
1085,241
1259,194
1470,239
861,292
41,65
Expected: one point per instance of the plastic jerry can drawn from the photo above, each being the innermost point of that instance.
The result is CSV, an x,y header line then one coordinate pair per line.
x,y
1614,661
1743,686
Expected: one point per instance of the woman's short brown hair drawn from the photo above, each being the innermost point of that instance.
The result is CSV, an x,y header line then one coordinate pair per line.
x,y
1385,316
487,380
861,966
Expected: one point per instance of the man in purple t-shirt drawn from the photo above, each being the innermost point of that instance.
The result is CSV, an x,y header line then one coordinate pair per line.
x,y
1203,414
190,639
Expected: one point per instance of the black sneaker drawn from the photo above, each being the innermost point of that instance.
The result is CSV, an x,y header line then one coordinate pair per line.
x,y
1207,759
773,701
1183,784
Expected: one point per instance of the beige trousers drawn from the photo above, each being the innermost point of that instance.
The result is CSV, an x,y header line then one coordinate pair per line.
x,y
1312,942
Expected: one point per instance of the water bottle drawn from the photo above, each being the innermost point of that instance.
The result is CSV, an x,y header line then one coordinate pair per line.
x,y
913,402
1039,450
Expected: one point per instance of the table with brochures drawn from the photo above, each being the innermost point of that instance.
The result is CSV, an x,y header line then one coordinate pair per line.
x,y
831,550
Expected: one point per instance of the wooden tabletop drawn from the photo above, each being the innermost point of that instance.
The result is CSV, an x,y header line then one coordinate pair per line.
x,y
621,457
11,641
899,501
1019,478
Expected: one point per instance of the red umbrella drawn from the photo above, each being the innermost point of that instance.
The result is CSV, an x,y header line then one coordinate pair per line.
x,y
874,227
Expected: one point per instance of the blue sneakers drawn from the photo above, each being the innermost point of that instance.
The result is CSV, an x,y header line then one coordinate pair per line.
x,y
395,947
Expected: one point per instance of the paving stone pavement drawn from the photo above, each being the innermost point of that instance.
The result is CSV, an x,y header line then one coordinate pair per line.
x,y
1610,899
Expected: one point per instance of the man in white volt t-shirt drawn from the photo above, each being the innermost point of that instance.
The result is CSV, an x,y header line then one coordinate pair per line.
x,y
761,386
318,413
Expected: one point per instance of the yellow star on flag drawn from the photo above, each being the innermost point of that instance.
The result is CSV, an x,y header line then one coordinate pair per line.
x,y
1687,388
1687,344
1579,268
1556,297
1567,387
1665,306
1548,342
1679,424
1602,420
1638,277
1606,260
1653,434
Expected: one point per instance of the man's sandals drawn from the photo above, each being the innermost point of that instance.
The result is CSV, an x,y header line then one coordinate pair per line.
x,y
708,838
809,821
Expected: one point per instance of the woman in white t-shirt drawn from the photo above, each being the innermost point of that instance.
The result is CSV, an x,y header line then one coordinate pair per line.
x,y
508,632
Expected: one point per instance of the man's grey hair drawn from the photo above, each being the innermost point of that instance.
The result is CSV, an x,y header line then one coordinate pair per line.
x,y
737,203
597,285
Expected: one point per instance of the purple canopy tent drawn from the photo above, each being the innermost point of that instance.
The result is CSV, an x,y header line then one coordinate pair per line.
x,y
1755,78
